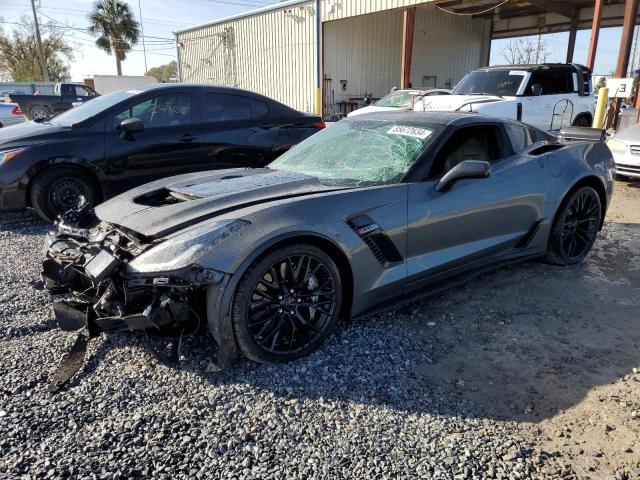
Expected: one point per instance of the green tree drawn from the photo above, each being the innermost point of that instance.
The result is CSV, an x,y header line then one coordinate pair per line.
x,y
164,73
19,59
116,28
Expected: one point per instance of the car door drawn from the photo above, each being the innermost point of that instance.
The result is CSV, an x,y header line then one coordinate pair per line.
x,y
553,107
168,145
475,219
240,130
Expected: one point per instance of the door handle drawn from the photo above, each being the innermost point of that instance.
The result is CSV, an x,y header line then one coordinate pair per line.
x,y
187,137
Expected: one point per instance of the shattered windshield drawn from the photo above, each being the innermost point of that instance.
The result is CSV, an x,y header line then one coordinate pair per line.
x,y
359,153
397,99
491,82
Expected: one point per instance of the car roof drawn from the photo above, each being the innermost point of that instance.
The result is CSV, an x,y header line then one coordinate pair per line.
x,y
432,117
533,67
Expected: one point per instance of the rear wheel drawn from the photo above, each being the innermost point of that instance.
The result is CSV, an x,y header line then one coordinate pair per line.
x,y
287,304
575,227
582,121
60,189
39,113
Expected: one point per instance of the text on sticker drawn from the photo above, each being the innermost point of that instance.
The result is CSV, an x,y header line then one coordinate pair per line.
x,y
415,132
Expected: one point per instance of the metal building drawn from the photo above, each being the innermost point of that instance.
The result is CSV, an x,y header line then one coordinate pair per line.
x,y
366,47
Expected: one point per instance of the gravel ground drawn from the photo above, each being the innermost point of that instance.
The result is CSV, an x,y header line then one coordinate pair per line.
x,y
508,377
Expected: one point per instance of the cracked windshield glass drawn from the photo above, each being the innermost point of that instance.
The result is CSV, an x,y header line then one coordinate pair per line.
x,y
359,153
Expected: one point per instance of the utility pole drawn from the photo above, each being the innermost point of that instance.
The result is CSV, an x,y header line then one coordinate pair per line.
x,y
144,48
633,54
43,65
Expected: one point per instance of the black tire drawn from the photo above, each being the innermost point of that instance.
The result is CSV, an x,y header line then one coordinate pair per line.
x,y
582,121
40,113
58,190
575,227
262,322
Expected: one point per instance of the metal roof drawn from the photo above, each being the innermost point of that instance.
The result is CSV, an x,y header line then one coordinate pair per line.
x,y
250,13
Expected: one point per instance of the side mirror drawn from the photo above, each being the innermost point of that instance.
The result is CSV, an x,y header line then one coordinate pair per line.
x,y
536,90
129,126
466,169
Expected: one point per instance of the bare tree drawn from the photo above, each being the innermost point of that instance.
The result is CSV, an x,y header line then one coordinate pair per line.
x,y
520,51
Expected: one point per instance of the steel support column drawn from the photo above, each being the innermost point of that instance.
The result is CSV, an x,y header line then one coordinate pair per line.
x,y
408,25
595,33
571,46
630,9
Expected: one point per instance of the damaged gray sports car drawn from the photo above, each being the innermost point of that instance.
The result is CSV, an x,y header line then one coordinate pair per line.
x,y
369,212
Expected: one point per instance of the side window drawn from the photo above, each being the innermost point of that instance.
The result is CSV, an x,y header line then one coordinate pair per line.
x,y
477,142
519,136
552,82
162,111
81,91
221,107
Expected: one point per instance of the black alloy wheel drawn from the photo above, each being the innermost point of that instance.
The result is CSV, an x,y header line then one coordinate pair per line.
x,y
576,227
287,304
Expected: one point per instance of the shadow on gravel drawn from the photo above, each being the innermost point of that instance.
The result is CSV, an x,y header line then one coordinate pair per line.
x,y
25,222
522,343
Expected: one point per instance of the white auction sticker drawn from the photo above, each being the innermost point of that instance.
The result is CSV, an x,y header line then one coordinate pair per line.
x,y
517,72
135,92
415,132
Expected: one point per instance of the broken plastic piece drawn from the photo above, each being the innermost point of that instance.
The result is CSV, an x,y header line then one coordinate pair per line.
x,y
70,365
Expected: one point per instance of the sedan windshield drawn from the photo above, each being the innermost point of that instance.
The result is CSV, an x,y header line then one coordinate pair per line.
x,y
490,82
91,108
359,153
397,99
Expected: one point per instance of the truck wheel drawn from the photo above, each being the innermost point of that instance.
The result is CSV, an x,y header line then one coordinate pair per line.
x,y
58,190
582,121
39,113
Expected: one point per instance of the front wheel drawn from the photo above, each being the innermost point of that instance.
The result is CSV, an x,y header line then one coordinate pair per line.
x,y
582,121
287,304
61,189
39,113
575,227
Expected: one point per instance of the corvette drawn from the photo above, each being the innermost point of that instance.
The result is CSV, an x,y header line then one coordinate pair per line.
x,y
375,210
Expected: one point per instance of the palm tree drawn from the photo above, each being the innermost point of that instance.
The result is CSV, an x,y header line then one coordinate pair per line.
x,y
116,28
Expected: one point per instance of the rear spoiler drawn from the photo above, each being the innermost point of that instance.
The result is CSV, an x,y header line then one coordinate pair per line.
x,y
582,134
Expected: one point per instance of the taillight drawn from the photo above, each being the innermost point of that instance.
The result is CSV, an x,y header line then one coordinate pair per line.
x,y
16,110
319,124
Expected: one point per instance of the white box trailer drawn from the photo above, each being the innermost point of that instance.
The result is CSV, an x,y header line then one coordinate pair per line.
x,y
110,83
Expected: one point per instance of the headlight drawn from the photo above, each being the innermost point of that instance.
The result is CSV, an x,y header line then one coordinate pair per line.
x,y
6,155
617,146
185,248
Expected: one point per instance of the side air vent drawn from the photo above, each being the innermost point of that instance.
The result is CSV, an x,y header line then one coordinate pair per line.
x,y
549,147
377,240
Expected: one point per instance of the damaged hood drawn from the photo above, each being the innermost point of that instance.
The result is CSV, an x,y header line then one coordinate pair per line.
x,y
165,206
453,102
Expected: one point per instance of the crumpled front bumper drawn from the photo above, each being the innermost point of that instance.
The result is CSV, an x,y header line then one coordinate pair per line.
x,y
91,287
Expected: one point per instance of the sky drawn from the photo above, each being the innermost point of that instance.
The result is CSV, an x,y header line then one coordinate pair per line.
x,y
163,17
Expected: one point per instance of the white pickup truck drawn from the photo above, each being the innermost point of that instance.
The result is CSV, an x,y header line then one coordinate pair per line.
x,y
548,96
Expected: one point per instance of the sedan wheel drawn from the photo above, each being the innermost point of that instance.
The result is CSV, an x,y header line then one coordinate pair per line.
x,y
287,304
576,227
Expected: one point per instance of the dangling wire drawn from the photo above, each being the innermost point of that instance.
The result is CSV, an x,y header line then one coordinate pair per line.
x,y
474,13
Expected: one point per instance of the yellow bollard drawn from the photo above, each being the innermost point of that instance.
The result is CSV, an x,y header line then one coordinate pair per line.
x,y
601,108
318,101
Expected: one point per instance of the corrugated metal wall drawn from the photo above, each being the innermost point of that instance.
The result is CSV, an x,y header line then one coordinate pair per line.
x,y
272,53
337,9
365,51
445,47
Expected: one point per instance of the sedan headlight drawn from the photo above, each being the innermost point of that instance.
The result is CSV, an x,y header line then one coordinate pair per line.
x,y
617,146
6,155
186,247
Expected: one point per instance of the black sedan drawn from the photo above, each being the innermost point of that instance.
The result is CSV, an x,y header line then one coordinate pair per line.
x,y
130,137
